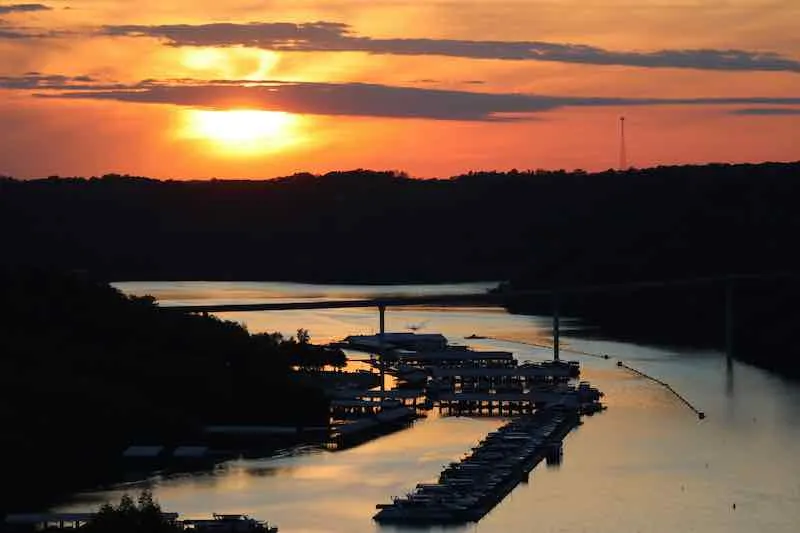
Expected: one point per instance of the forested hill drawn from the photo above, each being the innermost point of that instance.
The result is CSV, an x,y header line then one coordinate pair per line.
x,y
366,226
86,371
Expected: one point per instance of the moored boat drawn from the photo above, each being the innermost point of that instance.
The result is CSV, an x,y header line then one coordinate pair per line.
x,y
229,523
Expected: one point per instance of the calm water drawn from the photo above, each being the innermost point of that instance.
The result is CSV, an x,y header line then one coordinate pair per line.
x,y
647,464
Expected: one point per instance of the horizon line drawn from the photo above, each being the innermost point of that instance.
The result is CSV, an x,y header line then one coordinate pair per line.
x,y
396,173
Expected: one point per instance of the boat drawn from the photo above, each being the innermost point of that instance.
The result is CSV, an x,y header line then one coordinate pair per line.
x,y
229,523
476,337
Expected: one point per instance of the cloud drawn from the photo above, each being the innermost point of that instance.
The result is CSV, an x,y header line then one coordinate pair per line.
x,y
23,8
350,99
19,33
338,37
767,111
13,32
37,81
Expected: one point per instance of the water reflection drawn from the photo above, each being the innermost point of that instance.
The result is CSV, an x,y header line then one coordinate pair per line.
x,y
646,464
729,377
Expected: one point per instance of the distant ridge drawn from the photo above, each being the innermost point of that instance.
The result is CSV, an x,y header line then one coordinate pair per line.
x,y
382,226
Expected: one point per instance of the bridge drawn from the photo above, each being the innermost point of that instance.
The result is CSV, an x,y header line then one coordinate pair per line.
x,y
497,298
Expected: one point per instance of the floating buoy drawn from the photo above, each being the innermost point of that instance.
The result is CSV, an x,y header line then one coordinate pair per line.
x,y
701,415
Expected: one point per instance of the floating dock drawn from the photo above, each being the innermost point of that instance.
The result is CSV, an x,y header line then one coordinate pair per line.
x,y
350,433
467,490
582,397
219,523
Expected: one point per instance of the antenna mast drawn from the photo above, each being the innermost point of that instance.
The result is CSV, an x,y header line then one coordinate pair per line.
x,y
623,155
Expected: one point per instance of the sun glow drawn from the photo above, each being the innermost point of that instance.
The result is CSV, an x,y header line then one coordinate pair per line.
x,y
242,131
230,63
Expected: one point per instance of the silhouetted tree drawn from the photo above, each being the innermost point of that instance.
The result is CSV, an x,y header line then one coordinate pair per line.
x,y
143,516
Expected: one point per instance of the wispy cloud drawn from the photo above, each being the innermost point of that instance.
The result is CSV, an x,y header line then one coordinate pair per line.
x,y
37,80
351,99
23,8
12,34
767,111
338,37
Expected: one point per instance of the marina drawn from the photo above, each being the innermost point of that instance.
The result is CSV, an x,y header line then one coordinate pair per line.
x,y
461,381
627,470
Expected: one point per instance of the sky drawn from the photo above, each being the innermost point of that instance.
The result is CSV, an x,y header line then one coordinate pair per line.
x,y
201,89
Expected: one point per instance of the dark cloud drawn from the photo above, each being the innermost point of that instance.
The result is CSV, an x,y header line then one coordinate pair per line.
x,y
337,37
23,8
351,99
39,81
255,34
767,111
12,34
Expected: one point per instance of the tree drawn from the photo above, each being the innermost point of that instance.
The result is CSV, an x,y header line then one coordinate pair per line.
x,y
143,516
303,337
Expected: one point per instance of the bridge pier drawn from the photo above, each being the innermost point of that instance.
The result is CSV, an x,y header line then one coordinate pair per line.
x,y
555,326
381,333
729,325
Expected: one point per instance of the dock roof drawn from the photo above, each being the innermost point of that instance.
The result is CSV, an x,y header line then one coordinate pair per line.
x,y
252,430
190,451
143,451
456,355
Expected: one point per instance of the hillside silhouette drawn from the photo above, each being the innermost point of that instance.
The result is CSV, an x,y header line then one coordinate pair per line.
x,y
367,226
86,371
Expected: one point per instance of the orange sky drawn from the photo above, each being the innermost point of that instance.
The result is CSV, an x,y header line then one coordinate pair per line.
x,y
434,88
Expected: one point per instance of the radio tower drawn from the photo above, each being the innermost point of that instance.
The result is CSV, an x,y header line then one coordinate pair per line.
x,y
623,155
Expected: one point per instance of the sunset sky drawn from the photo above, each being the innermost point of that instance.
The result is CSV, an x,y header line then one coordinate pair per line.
x,y
263,88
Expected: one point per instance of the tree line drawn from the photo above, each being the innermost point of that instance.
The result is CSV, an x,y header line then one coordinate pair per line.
x,y
372,226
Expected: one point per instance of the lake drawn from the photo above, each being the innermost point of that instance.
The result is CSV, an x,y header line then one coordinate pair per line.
x,y
646,464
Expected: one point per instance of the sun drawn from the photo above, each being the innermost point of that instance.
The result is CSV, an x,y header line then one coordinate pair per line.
x,y
242,131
